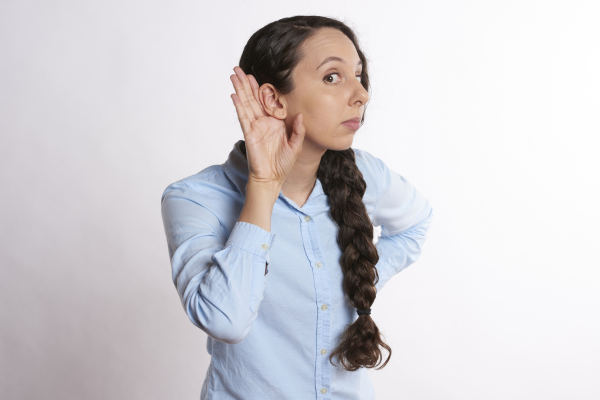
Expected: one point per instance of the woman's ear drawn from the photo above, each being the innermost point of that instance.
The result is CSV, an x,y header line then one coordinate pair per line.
x,y
273,103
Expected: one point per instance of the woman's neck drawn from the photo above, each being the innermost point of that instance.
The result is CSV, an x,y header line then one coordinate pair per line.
x,y
300,181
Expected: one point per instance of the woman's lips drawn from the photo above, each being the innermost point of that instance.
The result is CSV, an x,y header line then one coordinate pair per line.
x,y
352,124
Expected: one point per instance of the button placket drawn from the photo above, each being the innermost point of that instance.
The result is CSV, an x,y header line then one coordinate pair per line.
x,y
310,239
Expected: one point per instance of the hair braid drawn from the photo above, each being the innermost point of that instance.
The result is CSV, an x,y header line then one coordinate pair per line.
x,y
344,184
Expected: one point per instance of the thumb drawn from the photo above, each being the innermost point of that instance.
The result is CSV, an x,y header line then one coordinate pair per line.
x,y
298,131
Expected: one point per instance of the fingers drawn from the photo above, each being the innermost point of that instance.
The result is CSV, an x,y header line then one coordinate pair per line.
x,y
255,86
252,95
241,113
246,95
242,97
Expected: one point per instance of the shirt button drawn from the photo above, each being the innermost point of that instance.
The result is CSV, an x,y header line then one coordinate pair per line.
x,y
265,246
318,264
307,218
324,307
323,351
323,390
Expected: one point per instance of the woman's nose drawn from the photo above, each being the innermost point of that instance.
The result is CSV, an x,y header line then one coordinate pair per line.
x,y
361,94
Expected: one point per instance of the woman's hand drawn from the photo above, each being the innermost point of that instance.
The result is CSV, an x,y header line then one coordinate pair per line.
x,y
271,154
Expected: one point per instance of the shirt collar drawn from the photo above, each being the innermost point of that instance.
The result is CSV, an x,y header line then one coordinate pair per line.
x,y
236,169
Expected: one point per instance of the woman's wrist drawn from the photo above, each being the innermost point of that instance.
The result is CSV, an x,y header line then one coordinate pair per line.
x,y
263,190
259,202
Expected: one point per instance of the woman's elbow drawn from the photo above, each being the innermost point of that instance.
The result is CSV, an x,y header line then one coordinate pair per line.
x,y
228,333
219,326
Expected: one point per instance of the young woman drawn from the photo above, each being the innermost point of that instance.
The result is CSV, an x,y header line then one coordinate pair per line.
x,y
272,252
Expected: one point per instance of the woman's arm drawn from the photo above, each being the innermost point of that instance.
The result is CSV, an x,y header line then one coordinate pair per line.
x,y
405,217
220,277
396,252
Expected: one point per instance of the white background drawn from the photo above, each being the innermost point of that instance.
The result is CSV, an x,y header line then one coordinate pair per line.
x,y
491,109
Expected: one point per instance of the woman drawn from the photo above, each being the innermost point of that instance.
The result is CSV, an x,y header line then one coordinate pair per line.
x,y
272,252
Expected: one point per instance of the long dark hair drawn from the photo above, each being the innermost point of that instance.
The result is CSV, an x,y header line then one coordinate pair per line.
x,y
271,55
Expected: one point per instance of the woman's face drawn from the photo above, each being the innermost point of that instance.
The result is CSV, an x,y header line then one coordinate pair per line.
x,y
326,93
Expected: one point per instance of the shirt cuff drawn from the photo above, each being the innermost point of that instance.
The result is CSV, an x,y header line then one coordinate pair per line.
x,y
252,238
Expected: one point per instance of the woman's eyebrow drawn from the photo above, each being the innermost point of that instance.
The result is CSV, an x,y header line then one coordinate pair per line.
x,y
335,58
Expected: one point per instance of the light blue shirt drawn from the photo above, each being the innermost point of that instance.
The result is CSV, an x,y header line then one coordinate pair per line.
x,y
272,303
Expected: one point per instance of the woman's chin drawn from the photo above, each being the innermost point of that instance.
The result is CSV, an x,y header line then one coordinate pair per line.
x,y
338,142
342,142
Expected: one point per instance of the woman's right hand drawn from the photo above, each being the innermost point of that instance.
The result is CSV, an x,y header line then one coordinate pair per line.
x,y
271,154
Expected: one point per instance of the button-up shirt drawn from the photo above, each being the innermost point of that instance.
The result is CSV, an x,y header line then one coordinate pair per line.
x,y
272,303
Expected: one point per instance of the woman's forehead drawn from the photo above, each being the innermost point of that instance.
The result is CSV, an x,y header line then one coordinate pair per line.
x,y
327,46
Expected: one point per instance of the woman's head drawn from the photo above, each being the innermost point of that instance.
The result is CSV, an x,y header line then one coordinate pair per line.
x,y
285,57
311,65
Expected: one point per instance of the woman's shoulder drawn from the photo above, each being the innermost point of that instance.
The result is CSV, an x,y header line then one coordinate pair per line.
x,y
368,162
210,183
372,168
374,172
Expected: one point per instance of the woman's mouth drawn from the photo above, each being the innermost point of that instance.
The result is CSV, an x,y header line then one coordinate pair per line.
x,y
353,123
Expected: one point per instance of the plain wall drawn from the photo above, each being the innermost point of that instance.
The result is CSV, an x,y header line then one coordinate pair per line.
x,y
491,109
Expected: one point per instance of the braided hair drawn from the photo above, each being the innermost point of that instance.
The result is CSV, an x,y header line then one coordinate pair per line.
x,y
270,56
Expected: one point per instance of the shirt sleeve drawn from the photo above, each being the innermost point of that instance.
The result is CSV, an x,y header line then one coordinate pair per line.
x,y
404,215
220,278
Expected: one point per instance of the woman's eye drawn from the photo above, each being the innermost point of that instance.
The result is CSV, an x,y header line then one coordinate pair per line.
x,y
328,76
